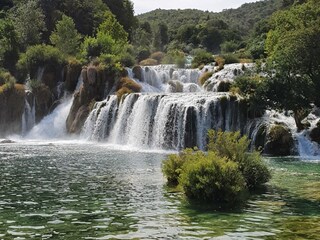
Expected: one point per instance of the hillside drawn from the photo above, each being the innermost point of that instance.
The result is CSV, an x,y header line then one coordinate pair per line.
x,y
242,18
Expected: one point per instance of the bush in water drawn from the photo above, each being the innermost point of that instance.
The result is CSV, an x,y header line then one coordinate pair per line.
x,y
222,174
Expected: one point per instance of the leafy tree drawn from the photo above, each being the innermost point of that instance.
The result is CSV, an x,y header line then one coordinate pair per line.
x,y
293,48
87,14
66,37
9,47
29,22
161,37
111,38
124,12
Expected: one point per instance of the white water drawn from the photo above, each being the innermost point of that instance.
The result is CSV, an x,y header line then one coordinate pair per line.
x,y
29,116
53,126
161,121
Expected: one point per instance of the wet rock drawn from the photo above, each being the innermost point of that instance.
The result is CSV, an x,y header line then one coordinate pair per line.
x,y
12,103
315,134
279,141
138,73
175,86
224,86
72,73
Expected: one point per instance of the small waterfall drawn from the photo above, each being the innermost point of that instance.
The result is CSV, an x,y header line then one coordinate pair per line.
x,y
157,78
53,126
29,116
162,121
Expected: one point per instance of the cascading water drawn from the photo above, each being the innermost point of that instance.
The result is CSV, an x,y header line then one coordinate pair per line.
x,y
163,121
53,126
29,116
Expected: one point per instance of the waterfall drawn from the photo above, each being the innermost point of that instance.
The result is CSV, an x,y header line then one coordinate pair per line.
x,y
162,121
161,78
53,126
28,116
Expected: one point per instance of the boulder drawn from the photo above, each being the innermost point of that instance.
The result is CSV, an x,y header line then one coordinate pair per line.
x,y
176,86
279,141
138,73
315,134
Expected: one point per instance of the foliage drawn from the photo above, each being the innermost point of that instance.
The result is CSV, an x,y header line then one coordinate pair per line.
x,y
39,56
65,37
176,57
124,12
212,179
293,49
6,79
222,174
9,47
202,58
157,56
149,62
122,91
128,83
29,22
110,39
252,88
204,77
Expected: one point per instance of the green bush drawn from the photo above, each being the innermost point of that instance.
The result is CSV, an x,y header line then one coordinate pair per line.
x,y
231,58
202,58
222,174
171,167
212,179
40,56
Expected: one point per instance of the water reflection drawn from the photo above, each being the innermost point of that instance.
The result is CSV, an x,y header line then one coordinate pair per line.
x,y
79,191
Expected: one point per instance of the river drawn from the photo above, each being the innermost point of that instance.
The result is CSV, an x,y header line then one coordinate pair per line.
x,y
76,190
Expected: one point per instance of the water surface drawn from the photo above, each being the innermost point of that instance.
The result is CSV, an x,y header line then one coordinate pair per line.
x,y
89,191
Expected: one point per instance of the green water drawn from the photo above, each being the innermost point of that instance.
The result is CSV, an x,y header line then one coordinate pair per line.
x,y
83,191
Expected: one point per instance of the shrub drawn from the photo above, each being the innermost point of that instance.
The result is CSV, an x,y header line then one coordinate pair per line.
x,y
204,77
222,174
202,57
129,83
220,61
157,56
126,59
235,147
212,179
39,56
122,91
172,166
148,62
6,78
230,58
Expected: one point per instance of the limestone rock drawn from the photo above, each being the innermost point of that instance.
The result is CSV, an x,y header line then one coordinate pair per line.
x,y
279,141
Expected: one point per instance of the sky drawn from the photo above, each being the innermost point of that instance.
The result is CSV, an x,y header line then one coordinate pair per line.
x,y
142,6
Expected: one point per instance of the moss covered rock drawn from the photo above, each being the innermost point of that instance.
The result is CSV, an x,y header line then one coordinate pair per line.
x,y
97,82
12,102
279,141
71,75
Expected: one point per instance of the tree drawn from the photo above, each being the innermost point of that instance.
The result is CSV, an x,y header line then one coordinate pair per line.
x,y
66,37
9,47
111,38
87,14
124,12
293,49
28,20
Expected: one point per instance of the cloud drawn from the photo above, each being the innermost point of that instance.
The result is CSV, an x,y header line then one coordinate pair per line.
x,y
142,6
